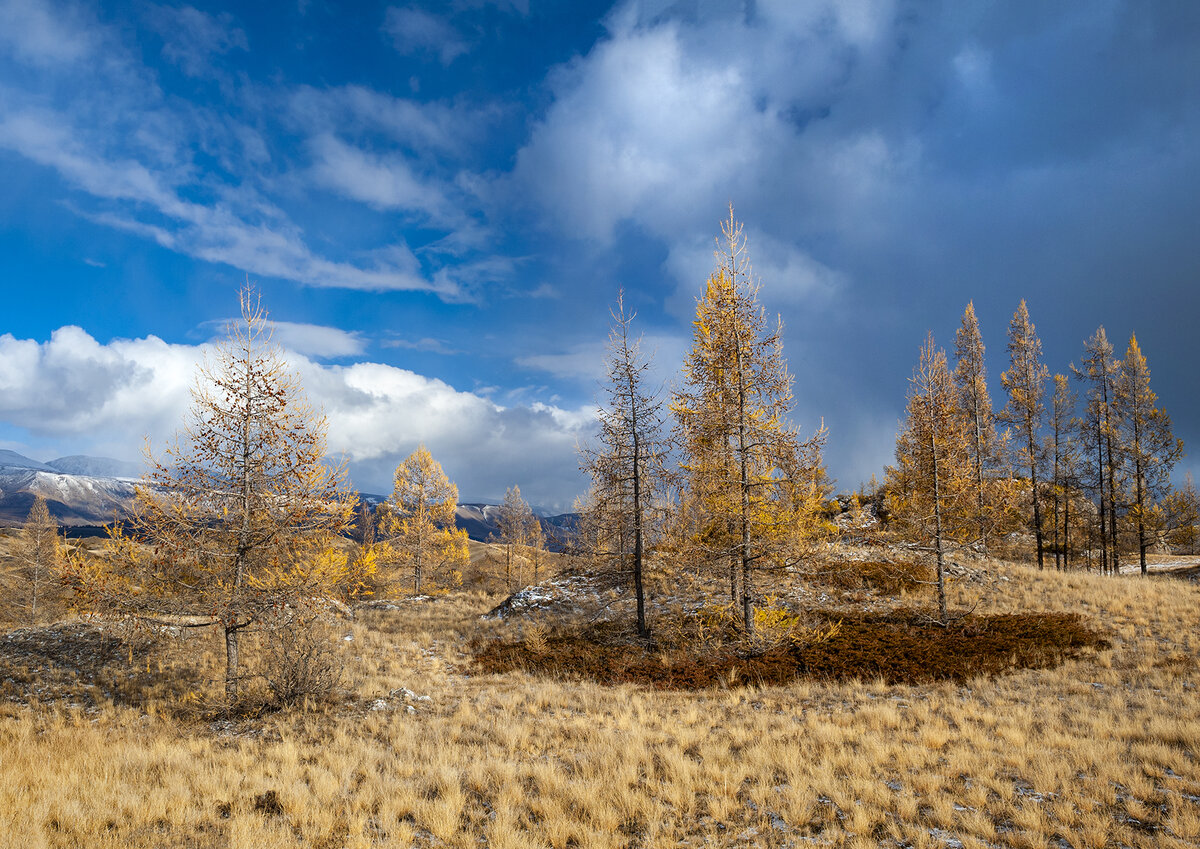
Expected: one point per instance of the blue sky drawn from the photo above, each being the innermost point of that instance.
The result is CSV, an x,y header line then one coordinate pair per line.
x,y
440,201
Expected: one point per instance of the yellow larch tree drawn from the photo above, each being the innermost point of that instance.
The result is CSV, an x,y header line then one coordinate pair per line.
x,y
756,486
518,529
1063,449
1025,381
37,560
1148,444
1100,441
420,522
238,519
975,404
931,487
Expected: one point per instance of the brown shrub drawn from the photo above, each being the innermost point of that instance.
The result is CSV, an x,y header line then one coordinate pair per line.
x,y
300,658
899,647
883,577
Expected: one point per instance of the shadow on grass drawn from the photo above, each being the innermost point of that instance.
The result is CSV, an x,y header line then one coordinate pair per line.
x,y
900,647
79,663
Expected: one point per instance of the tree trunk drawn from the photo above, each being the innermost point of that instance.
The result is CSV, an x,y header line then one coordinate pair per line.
x,y
744,470
1066,530
937,517
1103,499
1037,504
231,663
638,541
979,469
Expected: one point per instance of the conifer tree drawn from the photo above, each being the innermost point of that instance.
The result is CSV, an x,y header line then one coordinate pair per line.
x,y
1148,445
758,484
237,521
1183,516
515,523
970,379
932,483
1064,452
37,557
1025,382
420,522
1098,428
627,469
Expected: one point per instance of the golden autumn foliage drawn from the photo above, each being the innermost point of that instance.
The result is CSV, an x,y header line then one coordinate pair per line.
x,y
420,526
236,522
1025,381
757,487
985,447
32,585
932,484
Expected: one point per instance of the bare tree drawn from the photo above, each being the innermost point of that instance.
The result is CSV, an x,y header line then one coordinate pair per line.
x,y
1064,451
1098,430
627,468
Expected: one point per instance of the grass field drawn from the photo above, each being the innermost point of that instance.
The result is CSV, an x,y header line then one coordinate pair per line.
x,y
424,750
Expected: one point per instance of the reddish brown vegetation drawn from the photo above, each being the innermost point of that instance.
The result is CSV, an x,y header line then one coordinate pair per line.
x,y
883,577
898,647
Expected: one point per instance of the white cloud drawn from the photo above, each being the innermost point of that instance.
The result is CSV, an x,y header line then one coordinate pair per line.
x,y
43,36
684,108
91,397
588,361
356,110
134,155
427,344
415,31
384,182
191,37
311,340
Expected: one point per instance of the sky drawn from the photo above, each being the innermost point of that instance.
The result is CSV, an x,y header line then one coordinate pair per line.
x,y
439,203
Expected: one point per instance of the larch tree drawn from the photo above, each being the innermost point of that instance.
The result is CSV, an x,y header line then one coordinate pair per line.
x,y
1063,450
515,525
759,486
420,524
1149,446
975,404
932,484
627,468
1183,516
1098,436
37,561
237,521
1025,381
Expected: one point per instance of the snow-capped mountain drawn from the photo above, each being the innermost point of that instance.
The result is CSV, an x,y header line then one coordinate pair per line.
x,y
99,492
90,491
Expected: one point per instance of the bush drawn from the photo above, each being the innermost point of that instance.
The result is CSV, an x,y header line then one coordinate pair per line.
x,y
883,577
300,657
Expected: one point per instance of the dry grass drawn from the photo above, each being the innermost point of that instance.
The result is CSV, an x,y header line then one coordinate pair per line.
x,y
1100,751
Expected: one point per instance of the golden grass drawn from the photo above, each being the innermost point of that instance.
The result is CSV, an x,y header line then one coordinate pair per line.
x,y
1100,751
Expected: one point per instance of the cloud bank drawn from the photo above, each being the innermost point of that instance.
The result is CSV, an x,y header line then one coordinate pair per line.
x,y
74,391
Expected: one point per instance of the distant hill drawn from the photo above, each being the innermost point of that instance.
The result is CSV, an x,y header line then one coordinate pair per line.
x,y
84,492
74,499
97,467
